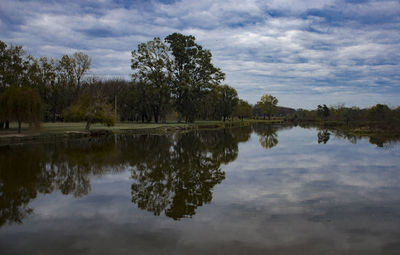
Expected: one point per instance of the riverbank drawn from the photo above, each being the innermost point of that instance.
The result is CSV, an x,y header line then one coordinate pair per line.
x,y
64,130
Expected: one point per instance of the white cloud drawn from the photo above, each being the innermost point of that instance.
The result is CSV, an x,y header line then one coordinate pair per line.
x,y
332,48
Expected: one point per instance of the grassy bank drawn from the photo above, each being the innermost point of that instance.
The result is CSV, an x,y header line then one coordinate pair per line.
x,y
50,130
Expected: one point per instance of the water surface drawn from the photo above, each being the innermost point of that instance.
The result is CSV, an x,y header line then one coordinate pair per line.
x,y
259,190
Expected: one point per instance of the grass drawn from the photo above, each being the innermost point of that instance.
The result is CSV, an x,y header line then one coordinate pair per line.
x,y
62,127
49,131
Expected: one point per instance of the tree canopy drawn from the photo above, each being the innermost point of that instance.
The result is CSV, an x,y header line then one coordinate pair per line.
x,y
92,109
268,104
151,64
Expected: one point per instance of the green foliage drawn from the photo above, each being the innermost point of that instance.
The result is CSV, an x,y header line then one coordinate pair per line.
x,y
12,65
379,112
58,81
151,64
243,109
227,100
21,105
323,111
193,75
91,109
268,104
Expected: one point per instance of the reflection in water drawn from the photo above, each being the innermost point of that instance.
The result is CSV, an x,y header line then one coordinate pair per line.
x,y
268,137
28,170
172,173
299,198
179,176
381,140
323,136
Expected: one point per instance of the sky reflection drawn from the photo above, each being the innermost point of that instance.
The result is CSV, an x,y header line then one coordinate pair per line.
x,y
297,197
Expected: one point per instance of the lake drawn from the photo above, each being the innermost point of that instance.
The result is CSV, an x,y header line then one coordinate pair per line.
x,y
252,190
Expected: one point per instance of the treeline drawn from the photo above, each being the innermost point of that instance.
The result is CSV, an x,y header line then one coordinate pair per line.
x,y
50,85
174,77
379,114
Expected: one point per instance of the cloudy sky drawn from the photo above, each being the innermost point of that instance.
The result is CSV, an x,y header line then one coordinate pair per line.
x,y
304,52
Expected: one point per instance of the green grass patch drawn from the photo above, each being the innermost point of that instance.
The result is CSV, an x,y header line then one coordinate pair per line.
x,y
120,127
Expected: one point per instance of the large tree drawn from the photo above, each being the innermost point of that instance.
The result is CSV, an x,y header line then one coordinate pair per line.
x,y
151,64
269,104
193,74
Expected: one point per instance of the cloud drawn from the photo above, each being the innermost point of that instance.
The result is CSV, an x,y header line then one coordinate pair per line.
x,y
321,50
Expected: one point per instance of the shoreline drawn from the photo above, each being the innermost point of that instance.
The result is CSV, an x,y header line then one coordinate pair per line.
x,y
53,132
58,131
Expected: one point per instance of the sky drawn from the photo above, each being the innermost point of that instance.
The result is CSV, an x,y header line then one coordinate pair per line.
x,y
304,53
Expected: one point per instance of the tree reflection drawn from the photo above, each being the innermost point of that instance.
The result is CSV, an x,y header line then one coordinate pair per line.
x,y
268,137
20,181
381,140
190,168
172,173
43,169
323,136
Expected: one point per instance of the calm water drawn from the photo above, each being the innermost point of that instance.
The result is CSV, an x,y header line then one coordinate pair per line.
x,y
260,190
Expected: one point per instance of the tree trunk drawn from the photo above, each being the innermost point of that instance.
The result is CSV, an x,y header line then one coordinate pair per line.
x,y
224,118
269,116
7,124
88,125
19,127
1,124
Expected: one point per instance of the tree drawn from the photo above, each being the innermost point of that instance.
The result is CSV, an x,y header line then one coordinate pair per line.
x,y
12,65
323,111
351,114
81,64
193,74
243,109
92,109
151,64
12,70
378,112
227,100
269,105
41,75
21,105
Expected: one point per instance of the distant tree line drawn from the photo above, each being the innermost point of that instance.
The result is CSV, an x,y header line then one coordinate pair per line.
x,y
375,115
171,78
